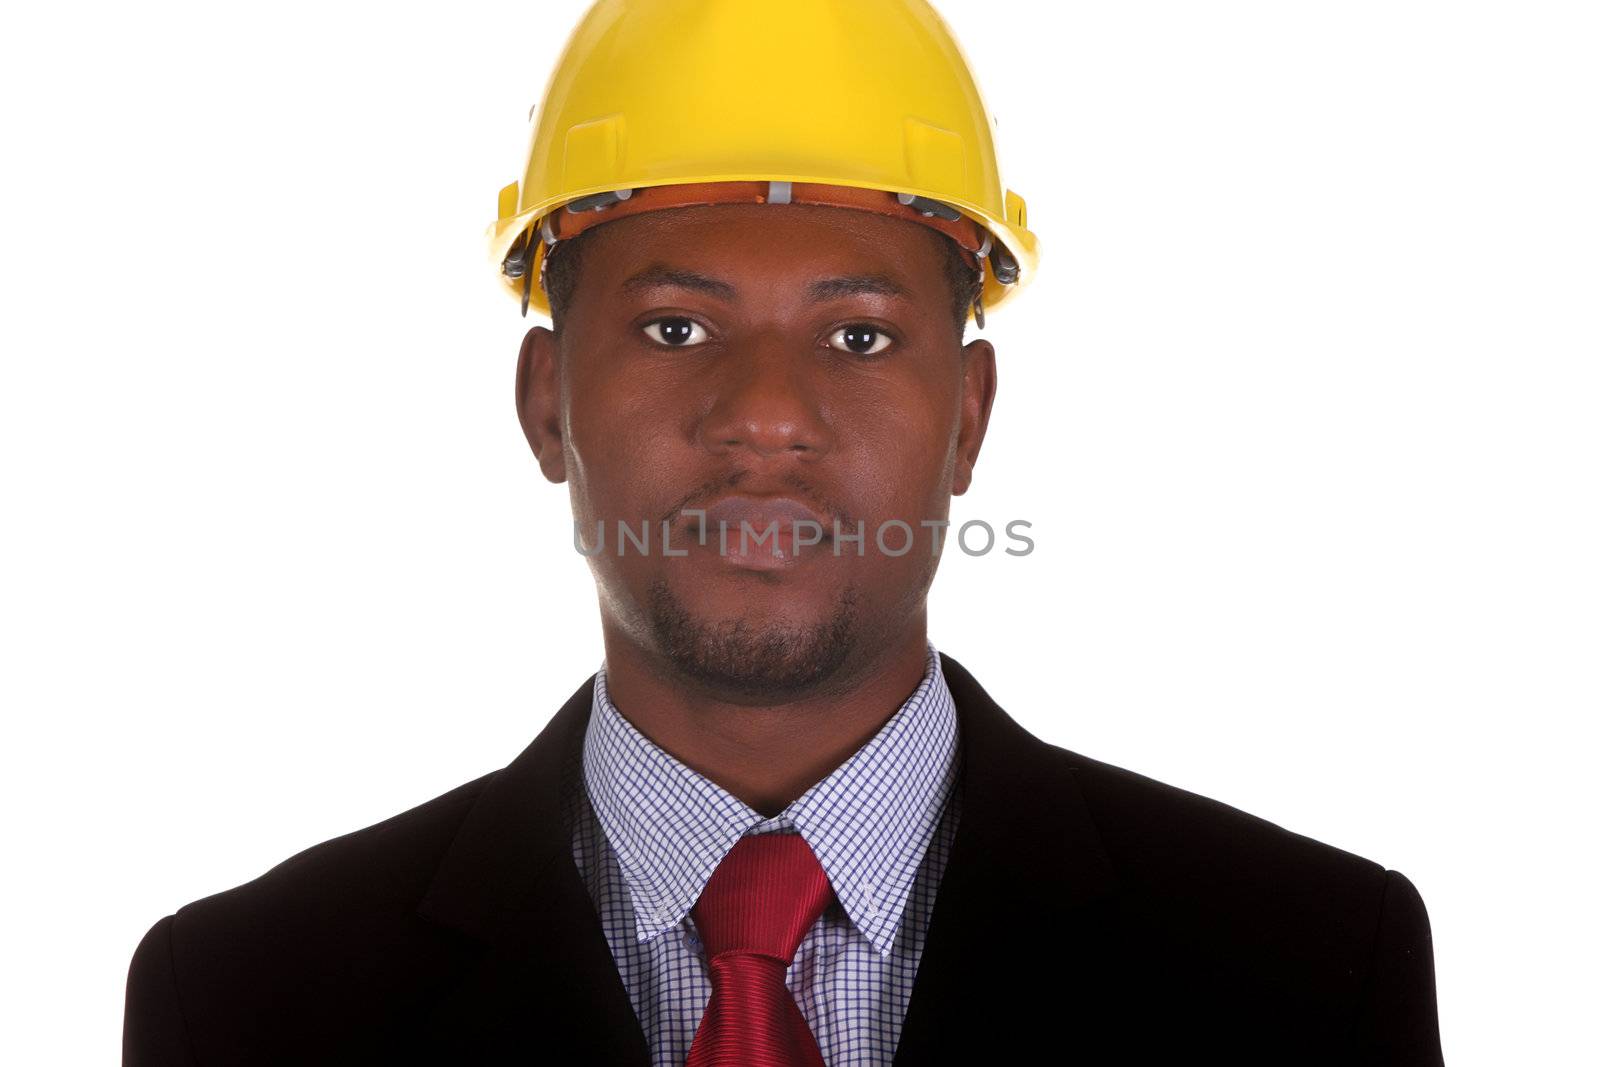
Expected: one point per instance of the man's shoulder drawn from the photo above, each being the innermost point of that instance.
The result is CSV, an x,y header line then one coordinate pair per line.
x,y
1152,833
328,935
1206,873
1241,934
389,861
1151,828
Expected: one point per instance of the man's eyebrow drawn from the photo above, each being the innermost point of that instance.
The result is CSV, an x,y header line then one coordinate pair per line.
x,y
855,285
662,276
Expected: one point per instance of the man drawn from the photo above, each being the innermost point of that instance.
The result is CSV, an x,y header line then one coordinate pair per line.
x,y
778,826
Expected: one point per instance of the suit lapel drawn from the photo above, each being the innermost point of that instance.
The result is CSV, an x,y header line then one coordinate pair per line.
x,y
543,977
1023,884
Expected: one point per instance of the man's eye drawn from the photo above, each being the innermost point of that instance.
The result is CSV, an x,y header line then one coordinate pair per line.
x,y
676,333
861,339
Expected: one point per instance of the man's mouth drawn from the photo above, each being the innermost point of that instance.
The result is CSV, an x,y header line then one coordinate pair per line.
x,y
759,531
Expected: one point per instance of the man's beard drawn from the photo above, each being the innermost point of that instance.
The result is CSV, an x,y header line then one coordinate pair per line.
x,y
732,657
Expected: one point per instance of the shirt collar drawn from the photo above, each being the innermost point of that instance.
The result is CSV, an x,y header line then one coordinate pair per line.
x,y
869,821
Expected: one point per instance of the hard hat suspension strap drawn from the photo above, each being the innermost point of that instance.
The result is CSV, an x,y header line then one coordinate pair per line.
x,y
977,244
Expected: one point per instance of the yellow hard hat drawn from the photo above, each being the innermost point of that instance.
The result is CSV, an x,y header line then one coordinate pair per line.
x,y
863,94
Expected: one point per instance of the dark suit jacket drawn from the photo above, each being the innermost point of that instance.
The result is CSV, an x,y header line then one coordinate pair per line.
x,y
1087,916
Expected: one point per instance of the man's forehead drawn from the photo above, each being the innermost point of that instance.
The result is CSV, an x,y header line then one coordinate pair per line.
x,y
843,252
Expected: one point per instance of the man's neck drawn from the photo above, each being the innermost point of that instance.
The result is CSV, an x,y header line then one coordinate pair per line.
x,y
766,755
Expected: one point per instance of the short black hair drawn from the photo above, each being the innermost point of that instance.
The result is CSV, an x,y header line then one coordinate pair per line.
x,y
561,278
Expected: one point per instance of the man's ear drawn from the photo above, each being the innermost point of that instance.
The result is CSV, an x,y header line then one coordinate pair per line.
x,y
977,399
539,401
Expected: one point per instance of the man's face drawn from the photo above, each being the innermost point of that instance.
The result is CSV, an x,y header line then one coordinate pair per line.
x,y
760,364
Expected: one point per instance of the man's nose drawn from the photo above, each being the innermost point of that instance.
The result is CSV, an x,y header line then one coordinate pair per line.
x,y
767,401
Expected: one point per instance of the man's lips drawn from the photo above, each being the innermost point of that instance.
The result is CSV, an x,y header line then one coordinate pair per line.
x,y
759,530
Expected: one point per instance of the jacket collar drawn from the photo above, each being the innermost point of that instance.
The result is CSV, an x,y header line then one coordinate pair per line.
x,y
1025,839
544,973
1025,846
497,878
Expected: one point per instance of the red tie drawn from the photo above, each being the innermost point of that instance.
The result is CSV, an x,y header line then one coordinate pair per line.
x,y
755,910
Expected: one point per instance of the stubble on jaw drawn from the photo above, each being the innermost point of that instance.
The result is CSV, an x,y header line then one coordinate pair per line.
x,y
756,663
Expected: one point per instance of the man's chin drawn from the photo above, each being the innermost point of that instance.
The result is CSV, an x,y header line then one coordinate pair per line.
x,y
757,654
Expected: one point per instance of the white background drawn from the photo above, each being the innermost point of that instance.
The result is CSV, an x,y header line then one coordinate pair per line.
x,y
1302,407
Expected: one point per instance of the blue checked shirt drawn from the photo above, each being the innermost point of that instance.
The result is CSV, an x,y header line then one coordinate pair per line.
x,y
647,832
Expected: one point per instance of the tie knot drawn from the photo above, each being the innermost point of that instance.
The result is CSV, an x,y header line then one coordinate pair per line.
x,y
763,897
